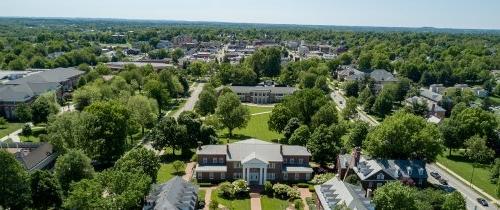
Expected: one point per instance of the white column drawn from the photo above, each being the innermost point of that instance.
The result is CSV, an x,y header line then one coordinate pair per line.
x,y
265,174
244,173
248,176
260,176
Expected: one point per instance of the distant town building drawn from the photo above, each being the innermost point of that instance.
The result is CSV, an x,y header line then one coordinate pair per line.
x,y
121,65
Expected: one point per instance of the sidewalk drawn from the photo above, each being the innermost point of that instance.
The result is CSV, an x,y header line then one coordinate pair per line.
x,y
477,189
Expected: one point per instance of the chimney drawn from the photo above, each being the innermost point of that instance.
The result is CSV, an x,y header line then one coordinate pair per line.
x,y
281,149
227,148
199,145
356,154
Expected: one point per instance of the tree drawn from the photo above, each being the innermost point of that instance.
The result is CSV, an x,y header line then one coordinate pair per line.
x,y
393,196
102,69
159,92
322,84
326,115
231,112
18,64
73,167
46,192
325,142
178,165
26,131
193,124
300,136
176,55
383,103
207,102
42,107
417,108
3,122
290,127
454,201
308,80
351,88
140,160
111,189
15,188
477,151
143,110
280,116
167,133
23,112
402,136
357,134
265,62
349,110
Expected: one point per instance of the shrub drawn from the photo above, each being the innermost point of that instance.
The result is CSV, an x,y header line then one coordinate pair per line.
x,y
352,179
240,187
298,204
3,122
321,178
311,188
303,185
268,188
284,191
226,190
293,193
26,131
178,165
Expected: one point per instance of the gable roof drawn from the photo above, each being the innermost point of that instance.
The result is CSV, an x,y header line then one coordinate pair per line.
x,y
176,193
396,169
436,97
381,75
335,192
34,156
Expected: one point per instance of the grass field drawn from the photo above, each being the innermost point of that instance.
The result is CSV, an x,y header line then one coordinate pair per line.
x,y
495,100
458,164
269,203
9,128
167,170
240,204
256,128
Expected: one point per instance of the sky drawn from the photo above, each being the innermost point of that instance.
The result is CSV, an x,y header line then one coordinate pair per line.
x,y
471,14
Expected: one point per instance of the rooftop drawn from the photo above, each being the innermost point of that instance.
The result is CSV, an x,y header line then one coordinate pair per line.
x,y
174,194
335,192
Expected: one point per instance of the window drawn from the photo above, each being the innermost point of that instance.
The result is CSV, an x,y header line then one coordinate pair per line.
x,y
301,161
199,175
237,175
421,171
214,160
285,160
285,176
380,176
211,175
222,175
297,177
409,170
308,176
271,165
205,160
221,160
237,165
292,161
270,176
420,181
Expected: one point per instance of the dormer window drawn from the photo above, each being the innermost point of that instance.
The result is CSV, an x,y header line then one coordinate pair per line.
x,y
409,170
380,176
420,171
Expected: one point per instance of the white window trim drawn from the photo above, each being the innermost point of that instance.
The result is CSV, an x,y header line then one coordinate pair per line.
x,y
205,160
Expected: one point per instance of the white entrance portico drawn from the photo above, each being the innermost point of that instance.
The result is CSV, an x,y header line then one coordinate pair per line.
x,y
254,169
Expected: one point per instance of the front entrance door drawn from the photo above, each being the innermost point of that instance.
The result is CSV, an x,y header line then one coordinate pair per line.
x,y
254,177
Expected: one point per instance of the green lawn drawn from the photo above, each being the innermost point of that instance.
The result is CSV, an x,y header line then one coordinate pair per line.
x,y
176,107
458,164
239,204
258,109
167,170
256,128
201,195
9,128
269,203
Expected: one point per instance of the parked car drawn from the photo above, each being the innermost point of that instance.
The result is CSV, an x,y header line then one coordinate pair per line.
x,y
482,201
443,181
435,175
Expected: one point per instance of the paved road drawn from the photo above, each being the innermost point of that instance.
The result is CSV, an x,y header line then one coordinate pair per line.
x,y
189,106
469,194
340,100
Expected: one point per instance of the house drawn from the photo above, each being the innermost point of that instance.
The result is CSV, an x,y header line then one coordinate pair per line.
x,y
433,109
253,160
26,89
262,94
164,44
32,156
382,77
480,92
175,194
374,173
349,73
431,95
335,192
437,88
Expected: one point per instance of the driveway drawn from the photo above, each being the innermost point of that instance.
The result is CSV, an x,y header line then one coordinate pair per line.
x,y
469,194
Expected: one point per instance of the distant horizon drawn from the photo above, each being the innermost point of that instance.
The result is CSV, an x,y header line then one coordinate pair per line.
x,y
232,22
447,14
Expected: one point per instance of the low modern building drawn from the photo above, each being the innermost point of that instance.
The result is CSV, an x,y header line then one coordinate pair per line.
x,y
175,194
253,160
374,173
335,192
26,89
262,94
32,156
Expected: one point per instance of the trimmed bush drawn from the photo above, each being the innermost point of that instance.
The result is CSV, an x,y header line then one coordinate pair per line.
x,y
311,188
298,204
321,178
302,185
238,188
268,188
284,191
352,179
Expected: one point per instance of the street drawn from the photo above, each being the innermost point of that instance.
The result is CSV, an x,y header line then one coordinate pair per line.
x,y
469,194
189,106
340,101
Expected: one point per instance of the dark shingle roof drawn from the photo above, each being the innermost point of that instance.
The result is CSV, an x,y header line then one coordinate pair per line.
x,y
174,194
381,75
36,158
